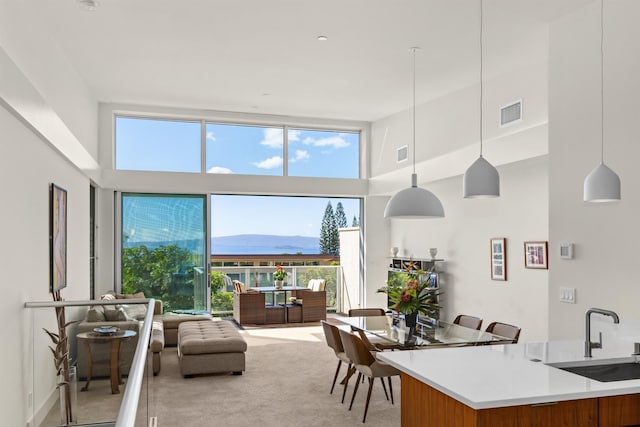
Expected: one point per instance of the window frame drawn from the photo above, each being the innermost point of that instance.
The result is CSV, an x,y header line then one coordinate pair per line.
x,y
239,119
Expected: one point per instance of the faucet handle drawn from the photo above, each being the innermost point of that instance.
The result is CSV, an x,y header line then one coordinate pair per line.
x,y
599,343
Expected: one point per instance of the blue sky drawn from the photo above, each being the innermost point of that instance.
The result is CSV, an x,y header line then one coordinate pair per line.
x,y
175,146
287,216
164,145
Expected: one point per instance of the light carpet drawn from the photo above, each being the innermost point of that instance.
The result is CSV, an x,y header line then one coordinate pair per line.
x,y
286,383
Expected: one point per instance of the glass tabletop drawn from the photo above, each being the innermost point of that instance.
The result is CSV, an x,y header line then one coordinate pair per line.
x,y
392,328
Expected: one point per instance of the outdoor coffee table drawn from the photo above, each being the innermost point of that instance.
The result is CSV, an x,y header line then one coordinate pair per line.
x,y
90,338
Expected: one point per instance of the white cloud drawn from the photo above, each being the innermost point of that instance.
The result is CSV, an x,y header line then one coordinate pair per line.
x,y
211,136
332,141
300,155
270,163
273,137
294,135
219,169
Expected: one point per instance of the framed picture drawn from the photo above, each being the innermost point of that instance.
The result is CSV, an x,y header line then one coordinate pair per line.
x,y
499,258
535,255
58,237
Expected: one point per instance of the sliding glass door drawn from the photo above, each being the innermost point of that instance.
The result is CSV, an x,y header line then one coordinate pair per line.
x,y
164,249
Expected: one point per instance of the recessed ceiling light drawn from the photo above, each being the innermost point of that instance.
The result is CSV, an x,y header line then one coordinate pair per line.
x,y
89,5
323,38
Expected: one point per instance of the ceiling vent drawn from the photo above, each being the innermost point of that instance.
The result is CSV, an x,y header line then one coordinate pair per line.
x,y
511,113
403,153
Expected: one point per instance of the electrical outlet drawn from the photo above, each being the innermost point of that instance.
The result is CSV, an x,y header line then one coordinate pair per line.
x,y
568,295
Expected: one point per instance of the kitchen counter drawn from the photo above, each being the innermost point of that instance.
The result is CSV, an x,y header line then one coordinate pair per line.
x,y
496,376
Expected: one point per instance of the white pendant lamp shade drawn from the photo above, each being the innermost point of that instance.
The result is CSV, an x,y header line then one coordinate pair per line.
x,y
481,180
602,185
414,202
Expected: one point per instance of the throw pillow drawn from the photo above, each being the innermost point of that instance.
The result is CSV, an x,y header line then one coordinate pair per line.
x,y
122,315
111,315
134,311
96,314
110,311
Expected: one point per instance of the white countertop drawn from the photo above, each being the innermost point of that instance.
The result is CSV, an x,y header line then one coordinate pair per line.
x,y
494,376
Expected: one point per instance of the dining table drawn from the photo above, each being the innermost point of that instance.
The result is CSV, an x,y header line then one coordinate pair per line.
x,y
392,332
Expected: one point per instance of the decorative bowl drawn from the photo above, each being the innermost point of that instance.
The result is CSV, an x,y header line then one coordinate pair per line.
x,y
106,330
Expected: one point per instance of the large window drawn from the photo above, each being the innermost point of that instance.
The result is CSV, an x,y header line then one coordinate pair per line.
x,y
249,150
280,225
157,145
147,144
164,249
315,153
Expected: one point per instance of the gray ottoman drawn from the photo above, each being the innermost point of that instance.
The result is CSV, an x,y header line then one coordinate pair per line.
x,y
208,347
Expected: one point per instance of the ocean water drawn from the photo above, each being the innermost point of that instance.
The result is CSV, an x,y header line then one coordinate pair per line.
x,y
262,250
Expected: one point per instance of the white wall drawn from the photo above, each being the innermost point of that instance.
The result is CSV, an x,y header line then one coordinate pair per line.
x,y
377,253
350,262
605,236
46,67
447,131
27,167
462,238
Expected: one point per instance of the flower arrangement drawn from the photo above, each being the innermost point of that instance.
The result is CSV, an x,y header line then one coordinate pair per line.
x,y
413,295
279,274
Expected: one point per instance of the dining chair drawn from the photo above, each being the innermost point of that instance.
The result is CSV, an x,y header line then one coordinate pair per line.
x,y
468,321
355,312
504,330
366,365
332,336
372,342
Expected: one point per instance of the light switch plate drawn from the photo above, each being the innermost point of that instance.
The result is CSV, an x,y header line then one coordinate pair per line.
x,y
566,250
568,295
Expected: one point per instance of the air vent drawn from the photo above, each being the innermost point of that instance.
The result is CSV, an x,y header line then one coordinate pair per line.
x,y
403,153
511,113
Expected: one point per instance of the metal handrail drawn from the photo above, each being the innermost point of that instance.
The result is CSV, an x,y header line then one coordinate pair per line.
x,y
129,407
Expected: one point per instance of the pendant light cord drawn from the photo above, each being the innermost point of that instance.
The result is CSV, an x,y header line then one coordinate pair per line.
x,y
481,78
602,81
414,108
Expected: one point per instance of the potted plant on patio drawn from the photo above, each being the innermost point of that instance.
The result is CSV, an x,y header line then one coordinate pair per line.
x,y
278,276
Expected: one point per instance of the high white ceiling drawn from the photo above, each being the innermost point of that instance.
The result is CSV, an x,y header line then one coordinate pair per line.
x,y
263,56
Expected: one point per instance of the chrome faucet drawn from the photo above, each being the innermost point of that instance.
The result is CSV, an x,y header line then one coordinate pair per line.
x,y
588,345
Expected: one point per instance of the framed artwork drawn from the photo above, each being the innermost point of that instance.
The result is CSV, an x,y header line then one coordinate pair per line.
x,y
536,255
58,237
499,258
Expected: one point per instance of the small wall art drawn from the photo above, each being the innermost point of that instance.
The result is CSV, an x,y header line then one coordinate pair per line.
x,y
535,255
58,237
499,258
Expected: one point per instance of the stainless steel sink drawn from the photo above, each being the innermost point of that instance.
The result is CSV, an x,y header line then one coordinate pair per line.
x,y
605,370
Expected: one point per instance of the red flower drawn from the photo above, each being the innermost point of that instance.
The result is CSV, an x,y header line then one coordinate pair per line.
x,y
406,297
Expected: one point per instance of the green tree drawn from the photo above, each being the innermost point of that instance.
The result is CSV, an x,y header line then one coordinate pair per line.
x,y
327,230
165,273
341,217
221,300
355,222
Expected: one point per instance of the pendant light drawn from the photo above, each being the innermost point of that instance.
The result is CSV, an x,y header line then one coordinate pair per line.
x,y
414,202
602,184
481,179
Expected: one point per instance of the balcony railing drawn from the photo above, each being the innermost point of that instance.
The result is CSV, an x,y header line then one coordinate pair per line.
x,y
42,383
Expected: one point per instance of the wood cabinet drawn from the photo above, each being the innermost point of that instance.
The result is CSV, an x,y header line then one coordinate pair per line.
x,y
424,406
